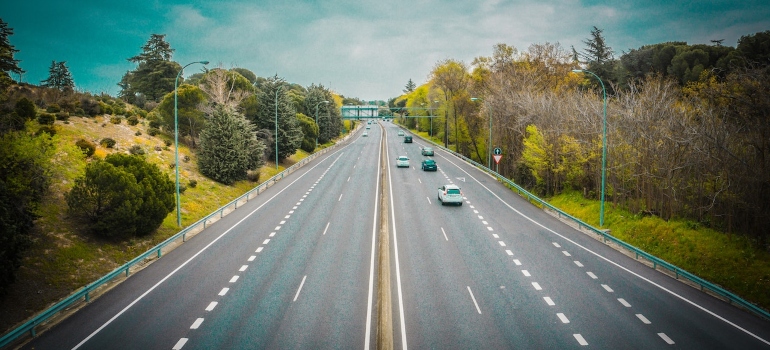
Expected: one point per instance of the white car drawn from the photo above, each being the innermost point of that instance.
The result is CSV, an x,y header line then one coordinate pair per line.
x,y
366,134
402,161
450,194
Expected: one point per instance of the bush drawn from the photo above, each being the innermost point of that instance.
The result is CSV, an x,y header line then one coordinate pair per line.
x,y
116,120
132,120
48,129
53,108
80,112
88,147
121,196
136,150
107,142
158,148
64,116
253,175
25,108
90,106
153,131
167,143
11,122
138,133
193,183
46,118
154,124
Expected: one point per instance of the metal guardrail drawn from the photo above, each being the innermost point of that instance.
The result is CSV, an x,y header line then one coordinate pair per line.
x,y
85,293
677,271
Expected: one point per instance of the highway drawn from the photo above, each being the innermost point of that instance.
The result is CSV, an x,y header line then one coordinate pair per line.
x,y
296,268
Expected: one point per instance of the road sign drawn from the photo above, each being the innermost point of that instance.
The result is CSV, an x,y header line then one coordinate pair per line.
x,y
497,151
497,158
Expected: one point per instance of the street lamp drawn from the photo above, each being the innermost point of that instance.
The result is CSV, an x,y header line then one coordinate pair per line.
x,y
176,142
276,126
604,144
316,122
489,147
431,119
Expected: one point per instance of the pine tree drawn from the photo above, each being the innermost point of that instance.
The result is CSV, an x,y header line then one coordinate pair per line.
x,y
155,74
7,63
410,86
597,50
289,131
229,147
59,77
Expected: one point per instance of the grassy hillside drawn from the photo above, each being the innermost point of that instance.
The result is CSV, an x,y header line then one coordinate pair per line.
x,y
61,258
731,261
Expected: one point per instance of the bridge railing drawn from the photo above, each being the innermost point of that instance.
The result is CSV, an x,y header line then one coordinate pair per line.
x,y
656,262
84,294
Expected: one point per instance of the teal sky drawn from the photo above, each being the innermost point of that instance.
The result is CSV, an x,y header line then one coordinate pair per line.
x,y
366,49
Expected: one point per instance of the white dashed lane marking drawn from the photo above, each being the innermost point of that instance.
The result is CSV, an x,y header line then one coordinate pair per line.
x,y
549,301
235,278
666,338
578,263
327,227
607,288
196,324
526,273
179,344
259,249
624,302
566,253
562,318
516,261
300,288
556,245
537,286
580,339
591,274
474,300
223,291
643,319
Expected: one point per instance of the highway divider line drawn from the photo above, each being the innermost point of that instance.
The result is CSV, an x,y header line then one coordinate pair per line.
x,y
384,305
370,297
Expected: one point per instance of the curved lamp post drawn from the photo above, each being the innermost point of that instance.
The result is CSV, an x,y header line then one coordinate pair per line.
x,y
276,126
316,121
489,147
176,141
604,144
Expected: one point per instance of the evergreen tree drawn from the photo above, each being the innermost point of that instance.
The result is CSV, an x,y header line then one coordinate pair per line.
x,y
7,63
59,77
329,118
155,74
410,86
229,147
289,132
597,51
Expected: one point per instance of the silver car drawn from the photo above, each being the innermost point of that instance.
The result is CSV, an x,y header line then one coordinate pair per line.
x,y
450,194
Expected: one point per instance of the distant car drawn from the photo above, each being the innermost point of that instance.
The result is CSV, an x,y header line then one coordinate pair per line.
x,y
368,127
429,165
450,194
402,161
407,139
366,134
427,151
400,133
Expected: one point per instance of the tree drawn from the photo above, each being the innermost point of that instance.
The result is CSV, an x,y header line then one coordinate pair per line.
x,y
310,132
229,147
25,163
7,63
756,47
59,77
451,76
329,118
249,75
121,196
226,88
155,74
189,115
410,85
599,57
289,135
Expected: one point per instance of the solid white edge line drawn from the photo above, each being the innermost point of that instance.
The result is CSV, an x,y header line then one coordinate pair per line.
x,y
474,300
327,228
395,249
370,298
300,288
612,262
199,252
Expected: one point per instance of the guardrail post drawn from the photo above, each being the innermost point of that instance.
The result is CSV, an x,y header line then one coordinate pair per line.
x,y
127,269
184,239
88,298
32,331
159,253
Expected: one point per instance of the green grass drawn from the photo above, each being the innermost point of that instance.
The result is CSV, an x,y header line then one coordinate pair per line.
x,y
731,261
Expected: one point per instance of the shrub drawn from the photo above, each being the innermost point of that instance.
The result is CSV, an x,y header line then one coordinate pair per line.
x,y
167,143
142,113
154,124
53,108
46,118
153,131
138,133
90,106
158,148
64,116
88,147
132,120
121,196
116,120
25,108
253,175
136,150
107,142
48,129
193,183
186,158
80,112
12,122
182,188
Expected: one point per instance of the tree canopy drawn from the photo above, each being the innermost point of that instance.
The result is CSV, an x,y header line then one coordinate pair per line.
x,y
59,77
154,75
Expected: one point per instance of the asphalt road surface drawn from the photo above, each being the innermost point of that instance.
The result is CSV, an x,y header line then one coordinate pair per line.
x,y
296,268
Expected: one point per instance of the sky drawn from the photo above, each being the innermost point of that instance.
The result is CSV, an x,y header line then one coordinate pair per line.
x,y
367,49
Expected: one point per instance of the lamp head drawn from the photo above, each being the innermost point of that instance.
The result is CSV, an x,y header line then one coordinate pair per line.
x,y
205,62
577,71
475,98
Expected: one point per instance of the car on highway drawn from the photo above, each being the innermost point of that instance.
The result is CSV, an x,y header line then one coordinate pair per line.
x,y
368,127
407,139
366,134
450,194
400,133
402,161
427,151
429,165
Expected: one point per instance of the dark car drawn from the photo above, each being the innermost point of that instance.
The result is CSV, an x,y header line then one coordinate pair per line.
x,y
407,139
429,165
